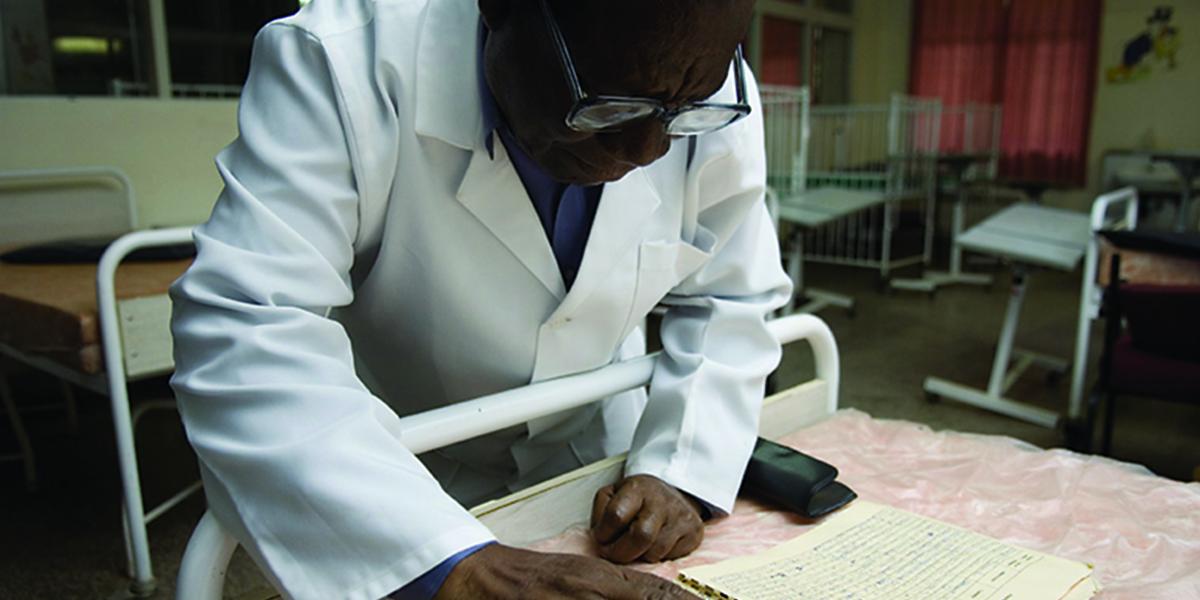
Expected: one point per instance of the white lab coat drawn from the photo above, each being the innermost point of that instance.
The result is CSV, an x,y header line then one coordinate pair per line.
x,y
367,258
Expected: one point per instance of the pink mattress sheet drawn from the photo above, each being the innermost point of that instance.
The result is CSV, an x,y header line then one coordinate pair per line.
x,y
1140,531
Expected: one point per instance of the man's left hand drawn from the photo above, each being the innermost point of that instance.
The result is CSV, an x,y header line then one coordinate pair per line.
x,y
643,517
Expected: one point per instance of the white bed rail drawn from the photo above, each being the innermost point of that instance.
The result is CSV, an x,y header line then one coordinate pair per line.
x,y
1090,294
136,518
974,129
890,149
46,205
202,573
786,131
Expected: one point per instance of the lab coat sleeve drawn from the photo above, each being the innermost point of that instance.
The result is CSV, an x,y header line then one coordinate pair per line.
x,y
300,461
701,419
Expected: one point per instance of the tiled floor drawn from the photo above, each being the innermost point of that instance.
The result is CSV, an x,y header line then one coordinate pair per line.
x,y
64,540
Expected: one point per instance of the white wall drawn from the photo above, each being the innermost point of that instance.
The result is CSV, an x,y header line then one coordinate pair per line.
x,y
1158,112
882,38
165,146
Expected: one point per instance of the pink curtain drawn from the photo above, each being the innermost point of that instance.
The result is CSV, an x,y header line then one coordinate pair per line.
x,y
1035,58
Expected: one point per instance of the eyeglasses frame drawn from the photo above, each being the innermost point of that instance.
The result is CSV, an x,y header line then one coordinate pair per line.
x,y
581,100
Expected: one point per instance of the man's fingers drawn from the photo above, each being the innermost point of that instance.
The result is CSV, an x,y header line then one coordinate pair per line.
x,y
638,538
668,538
656,588
600,503
685,545
620,512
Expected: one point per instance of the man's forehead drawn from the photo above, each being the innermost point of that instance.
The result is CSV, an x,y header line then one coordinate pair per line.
x,y
670,49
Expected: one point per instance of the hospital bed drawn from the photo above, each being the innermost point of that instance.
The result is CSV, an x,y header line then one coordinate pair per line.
x,y
1030,237
553,506
1081,507
96,326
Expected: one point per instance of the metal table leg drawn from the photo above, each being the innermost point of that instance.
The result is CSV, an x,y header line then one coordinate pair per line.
x,y
1002,378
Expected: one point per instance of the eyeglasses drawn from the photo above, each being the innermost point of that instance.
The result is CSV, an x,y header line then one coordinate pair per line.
x,y
593,114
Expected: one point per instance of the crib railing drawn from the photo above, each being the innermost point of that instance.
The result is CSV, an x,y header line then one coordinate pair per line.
x,y
888,148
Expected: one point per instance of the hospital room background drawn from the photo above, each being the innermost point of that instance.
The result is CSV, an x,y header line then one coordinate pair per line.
x,y
951,181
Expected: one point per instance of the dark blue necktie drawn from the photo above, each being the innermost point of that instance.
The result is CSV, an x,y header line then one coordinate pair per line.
x,y
572,222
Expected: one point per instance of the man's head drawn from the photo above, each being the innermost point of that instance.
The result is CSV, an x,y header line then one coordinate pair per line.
x,y
675,51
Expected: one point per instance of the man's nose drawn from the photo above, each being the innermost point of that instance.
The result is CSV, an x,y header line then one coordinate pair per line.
x,y
639,143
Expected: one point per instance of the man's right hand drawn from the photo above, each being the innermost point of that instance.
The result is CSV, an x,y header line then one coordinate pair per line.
x,y
498,571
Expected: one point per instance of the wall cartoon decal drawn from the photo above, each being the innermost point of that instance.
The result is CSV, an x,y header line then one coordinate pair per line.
x,y
1159,41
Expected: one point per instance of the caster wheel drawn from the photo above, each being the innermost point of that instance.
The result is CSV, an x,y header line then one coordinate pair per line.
x,y
851,312
1052,378
932,398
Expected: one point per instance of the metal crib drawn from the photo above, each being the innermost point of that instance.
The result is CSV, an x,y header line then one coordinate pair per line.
x,y
888,149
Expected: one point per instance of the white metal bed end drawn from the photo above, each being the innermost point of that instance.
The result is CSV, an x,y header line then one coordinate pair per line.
x,y
202,572
1090,293
137,543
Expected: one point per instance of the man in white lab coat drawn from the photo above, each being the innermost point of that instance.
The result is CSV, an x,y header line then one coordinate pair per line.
x,y
434,200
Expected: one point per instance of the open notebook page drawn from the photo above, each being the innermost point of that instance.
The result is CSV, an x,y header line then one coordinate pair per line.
x,y
870,551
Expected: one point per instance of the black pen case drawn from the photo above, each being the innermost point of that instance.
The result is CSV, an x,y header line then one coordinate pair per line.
x,y
794,480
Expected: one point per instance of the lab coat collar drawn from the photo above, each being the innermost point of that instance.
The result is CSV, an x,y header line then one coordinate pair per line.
x,y
449,107
493,192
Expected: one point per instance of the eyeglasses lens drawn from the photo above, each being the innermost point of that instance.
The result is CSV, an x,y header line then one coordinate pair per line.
x,y
701,120
609,115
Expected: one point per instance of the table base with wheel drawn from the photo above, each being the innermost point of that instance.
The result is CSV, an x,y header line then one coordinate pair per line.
x,y
1027,236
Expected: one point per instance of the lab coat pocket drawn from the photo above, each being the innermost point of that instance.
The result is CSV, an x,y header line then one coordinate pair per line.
x,y
661,266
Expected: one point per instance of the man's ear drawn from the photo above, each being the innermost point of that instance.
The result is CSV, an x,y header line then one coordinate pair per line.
x,y
494,12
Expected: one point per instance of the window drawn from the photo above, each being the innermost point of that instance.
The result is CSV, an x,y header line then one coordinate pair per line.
x,y
210,41
804,42
104,47
66,47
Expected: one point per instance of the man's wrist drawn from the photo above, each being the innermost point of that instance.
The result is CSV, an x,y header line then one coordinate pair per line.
x,y
703,509
429,583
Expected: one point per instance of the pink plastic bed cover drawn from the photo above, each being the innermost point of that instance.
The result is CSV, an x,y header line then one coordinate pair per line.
x,y
1140,531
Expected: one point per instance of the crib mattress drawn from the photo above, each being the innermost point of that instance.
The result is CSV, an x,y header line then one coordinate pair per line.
x,y
1141,532
49,310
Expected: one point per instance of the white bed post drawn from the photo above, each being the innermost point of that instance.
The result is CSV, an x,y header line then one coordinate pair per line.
x,y
137,542
1090,295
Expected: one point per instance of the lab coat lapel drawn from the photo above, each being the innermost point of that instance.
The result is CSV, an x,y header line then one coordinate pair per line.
x,y
625,207
492,191
448,107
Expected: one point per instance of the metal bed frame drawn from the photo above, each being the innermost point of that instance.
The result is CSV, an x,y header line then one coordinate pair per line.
x,y
970,134
1091,295
973,128
786,132
887,149
202,573
133,334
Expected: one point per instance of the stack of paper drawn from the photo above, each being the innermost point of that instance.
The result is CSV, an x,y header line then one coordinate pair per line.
x,y
870,551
